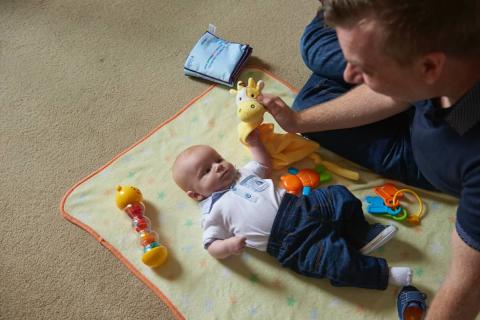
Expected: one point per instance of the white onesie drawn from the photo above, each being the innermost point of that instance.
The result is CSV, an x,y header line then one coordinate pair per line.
x,y
247,208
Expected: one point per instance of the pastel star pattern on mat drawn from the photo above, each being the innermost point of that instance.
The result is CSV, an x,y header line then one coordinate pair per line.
x,y
226,273
436,248
254,278
360,309
334,303
211,123
253,310
208,305
185,300
181,205
277,283
187,249
246,257
128,158
418,272
146,152
105,173
291,301
189,223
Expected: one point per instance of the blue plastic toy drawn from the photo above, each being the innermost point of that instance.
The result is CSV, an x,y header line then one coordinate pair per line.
x,y
377,207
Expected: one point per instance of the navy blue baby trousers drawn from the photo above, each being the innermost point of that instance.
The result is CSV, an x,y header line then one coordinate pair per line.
x,y
319,236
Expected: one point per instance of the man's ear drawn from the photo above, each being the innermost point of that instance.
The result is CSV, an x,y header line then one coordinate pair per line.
x,y
432,65
195,196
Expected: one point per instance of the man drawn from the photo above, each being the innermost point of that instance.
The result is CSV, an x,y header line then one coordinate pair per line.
x,y
399,93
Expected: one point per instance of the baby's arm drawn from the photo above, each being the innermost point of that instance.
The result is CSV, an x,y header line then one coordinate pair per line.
x,y
259,152
221,249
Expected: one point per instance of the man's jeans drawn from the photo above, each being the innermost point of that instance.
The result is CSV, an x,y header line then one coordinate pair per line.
x,y
384,146
319,236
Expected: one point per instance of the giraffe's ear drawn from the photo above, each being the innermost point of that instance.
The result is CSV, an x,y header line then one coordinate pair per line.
x,y
260,85
233,91
240,85
251,83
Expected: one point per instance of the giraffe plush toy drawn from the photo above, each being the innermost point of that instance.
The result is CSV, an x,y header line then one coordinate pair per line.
x,y
249,110
284,148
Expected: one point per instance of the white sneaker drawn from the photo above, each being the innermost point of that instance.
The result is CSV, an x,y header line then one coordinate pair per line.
x,y
380,239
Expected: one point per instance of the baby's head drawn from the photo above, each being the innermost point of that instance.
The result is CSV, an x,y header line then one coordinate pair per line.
x,y
200,171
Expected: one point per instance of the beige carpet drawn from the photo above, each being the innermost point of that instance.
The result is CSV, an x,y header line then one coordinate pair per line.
x,y
79,82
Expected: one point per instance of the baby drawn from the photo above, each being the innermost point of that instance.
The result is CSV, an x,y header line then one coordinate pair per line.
x,y
322,235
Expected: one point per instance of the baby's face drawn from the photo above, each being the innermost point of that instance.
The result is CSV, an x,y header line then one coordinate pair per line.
x,y
207,172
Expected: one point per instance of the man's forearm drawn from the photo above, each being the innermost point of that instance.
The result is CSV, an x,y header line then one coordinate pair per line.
x,y
357,107
459,296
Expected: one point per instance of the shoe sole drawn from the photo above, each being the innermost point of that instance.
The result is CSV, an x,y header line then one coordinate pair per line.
x,y
383,237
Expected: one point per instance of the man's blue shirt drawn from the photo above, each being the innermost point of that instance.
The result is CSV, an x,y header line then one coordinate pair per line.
x,y
446,147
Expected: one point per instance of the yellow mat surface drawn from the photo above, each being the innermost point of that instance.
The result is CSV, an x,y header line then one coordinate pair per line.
x,y
253,285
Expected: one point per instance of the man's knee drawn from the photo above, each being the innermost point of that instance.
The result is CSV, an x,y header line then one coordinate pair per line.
x,y
321,51
318,89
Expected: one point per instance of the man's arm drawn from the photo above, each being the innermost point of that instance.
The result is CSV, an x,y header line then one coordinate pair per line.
x,y
357,107
459,295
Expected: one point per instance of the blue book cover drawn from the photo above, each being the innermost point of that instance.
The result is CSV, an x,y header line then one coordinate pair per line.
x,y
216,59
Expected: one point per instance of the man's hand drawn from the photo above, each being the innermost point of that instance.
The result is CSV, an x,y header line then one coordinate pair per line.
x,y
286,117
459,296
236,244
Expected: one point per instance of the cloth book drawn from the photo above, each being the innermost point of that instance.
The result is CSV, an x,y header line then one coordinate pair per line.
x,y
216,59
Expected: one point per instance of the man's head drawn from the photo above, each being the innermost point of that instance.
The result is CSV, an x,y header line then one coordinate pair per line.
x,y
200,171
400,48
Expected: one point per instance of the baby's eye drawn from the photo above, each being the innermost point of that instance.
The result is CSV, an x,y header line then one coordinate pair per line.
x,y
219,160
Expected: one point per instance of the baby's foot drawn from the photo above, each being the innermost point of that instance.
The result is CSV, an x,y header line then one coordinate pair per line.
x,y
400,276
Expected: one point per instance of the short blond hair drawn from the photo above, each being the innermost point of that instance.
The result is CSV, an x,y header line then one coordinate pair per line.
x,y
415,27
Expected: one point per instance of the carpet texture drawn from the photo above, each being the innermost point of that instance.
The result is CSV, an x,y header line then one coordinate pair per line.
x,y
79,82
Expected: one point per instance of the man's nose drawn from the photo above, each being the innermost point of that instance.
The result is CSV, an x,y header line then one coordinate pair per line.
x,y
352,74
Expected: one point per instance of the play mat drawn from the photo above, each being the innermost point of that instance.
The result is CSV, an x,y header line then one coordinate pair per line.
x,y
196,286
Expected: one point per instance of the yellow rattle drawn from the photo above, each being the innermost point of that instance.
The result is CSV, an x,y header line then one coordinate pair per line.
x,y
130,200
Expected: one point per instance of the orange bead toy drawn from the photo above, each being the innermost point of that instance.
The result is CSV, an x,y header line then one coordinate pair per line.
x,y
300,180
292,184
147,237
310,178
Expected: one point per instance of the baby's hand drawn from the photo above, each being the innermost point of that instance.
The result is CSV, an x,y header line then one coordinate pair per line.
x,y
253,138
236,244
